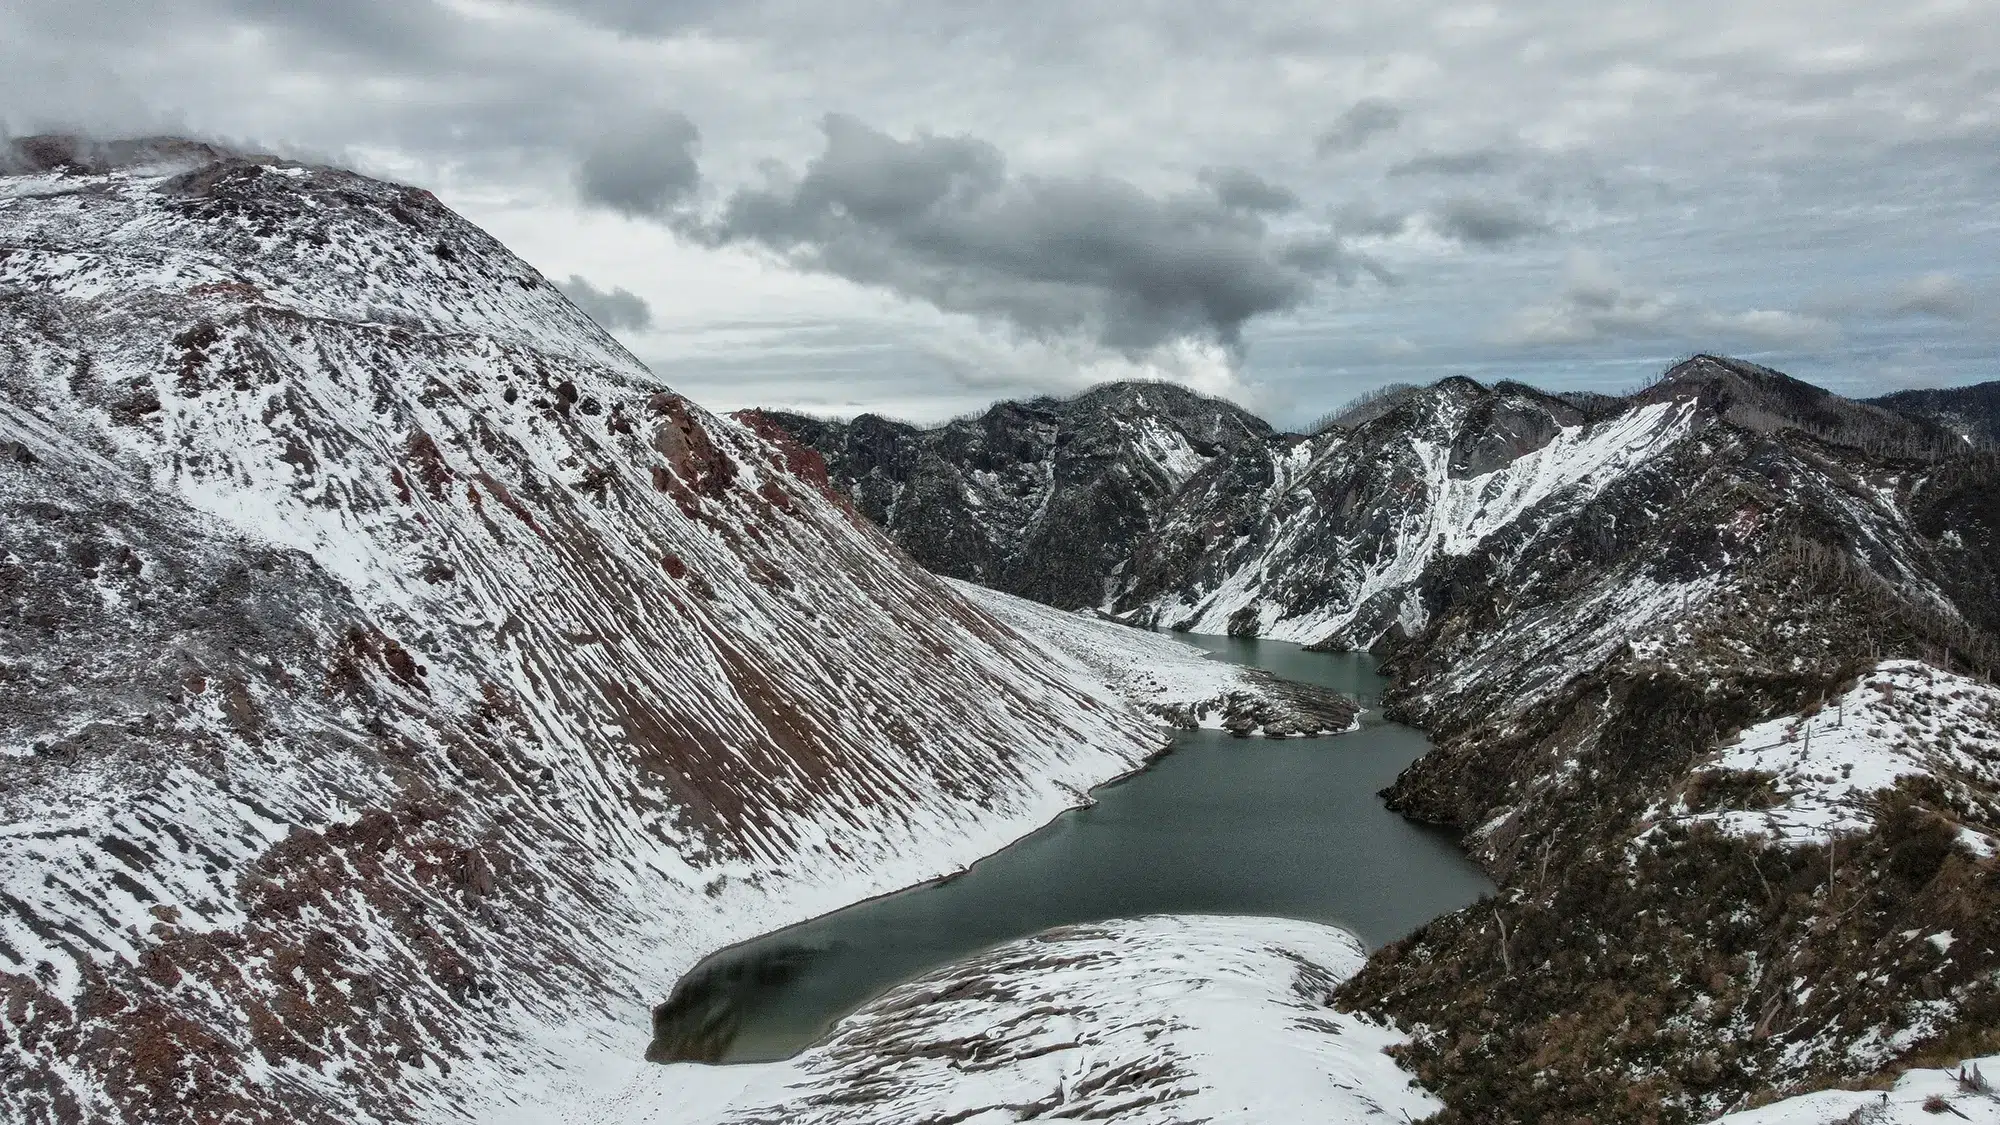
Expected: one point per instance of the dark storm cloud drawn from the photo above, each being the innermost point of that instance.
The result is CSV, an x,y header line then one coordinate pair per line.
x,y
1486,222
1363,121
642,169
941,219
1610,124
614,309
1246,190
1475,162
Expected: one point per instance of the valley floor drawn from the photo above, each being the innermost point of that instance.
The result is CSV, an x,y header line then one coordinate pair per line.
x,y
1160,1019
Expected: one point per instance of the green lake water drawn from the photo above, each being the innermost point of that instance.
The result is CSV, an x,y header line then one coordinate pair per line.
x,y
1218,825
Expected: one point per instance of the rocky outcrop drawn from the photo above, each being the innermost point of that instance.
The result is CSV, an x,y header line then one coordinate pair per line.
x,y
1584,671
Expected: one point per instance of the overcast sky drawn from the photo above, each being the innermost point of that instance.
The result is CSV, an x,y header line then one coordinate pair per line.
x,y
917,207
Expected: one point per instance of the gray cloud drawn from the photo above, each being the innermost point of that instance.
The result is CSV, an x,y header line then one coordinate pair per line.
x,y
941,219
1236,187
1485,222
1609,134
1362,220
1940,295
643,169
1362,122
1596,304
639,17
1473,162
616,308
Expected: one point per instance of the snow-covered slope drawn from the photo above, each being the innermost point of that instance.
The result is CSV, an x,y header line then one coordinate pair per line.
x,y
401,686
1826,769
1148,1021
1172,679
1332,545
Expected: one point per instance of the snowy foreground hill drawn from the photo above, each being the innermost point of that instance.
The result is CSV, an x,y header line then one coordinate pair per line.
x,y
399,687
1148,1021
1708,668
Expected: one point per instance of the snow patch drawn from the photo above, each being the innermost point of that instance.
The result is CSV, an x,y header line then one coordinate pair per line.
x,y
1904,719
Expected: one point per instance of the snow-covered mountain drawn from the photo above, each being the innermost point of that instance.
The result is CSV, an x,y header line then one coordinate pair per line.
x,y
399,686
1595,604
1045,498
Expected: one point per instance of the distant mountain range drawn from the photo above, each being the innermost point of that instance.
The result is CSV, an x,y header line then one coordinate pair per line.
x,y
1973,412
1587,600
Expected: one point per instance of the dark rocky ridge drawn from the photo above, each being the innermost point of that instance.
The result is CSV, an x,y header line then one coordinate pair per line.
x,y
1274,534
1973,412
1045,498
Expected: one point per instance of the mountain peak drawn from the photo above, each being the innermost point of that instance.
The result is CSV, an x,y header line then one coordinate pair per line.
x,y
1760,399
375,608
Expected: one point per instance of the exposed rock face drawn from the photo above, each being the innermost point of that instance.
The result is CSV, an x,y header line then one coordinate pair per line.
x,y
1582,670
392,670
1045,499
1325,540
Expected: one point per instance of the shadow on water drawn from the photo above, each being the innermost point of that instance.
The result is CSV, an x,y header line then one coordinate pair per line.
x,y
707,1011
1218,825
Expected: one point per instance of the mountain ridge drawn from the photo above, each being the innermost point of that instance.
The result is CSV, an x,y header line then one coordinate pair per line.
x,y
1583,600
404,685
1038,498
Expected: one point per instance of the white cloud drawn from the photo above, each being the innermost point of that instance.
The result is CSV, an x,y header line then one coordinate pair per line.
x,y
1934,294
1596,304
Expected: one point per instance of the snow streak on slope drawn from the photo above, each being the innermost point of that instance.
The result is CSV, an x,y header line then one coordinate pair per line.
x,y
1905,719
397,672
1350,573
1170,678
1158,1020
